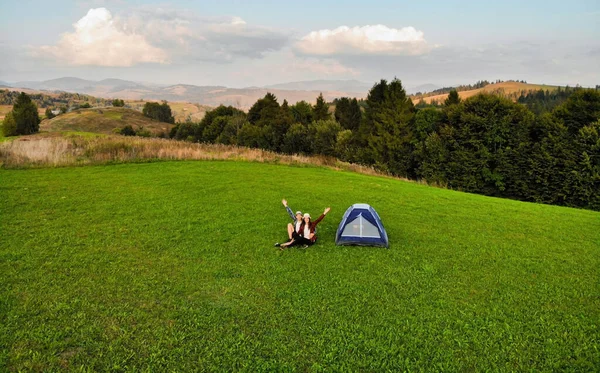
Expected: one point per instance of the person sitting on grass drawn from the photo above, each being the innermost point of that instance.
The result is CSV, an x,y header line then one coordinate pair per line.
x,y
307,236
293,229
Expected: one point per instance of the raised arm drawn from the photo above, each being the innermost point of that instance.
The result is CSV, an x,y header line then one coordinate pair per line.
x,y
289,210
322,216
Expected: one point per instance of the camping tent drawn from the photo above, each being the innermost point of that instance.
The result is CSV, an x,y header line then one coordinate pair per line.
x,y
361,225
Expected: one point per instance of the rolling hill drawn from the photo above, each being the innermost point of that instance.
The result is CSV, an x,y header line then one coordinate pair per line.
x,y
102,120
170,266
242,98
497,88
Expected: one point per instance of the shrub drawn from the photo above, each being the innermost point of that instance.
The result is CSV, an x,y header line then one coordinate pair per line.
x,y
128,131
9,126
49,113
296,140
142,132
118,103
324,136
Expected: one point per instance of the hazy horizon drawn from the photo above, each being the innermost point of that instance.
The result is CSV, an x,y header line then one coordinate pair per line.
x,y
264,43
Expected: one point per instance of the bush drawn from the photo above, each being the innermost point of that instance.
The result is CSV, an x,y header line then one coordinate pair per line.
x,y
296,140
49,113
9,126
128,131
118,103
142,132
324,136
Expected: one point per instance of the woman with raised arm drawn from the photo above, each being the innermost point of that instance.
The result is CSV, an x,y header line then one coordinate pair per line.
x,y
307,236
292,229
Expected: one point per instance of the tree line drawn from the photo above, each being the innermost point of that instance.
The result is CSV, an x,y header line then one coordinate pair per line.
x,y
486,144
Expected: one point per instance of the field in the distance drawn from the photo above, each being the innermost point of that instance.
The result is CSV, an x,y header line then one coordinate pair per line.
x,y
504,88
102,120
170,266
4,109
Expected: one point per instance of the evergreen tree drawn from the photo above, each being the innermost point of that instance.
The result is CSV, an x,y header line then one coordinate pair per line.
x,y
297,140
581,109
452,99
348,113
264,111
302,112
389,115
321,109
323,136
342,106
484,142
25,115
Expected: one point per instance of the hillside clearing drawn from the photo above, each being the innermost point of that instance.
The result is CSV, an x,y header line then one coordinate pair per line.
x,y
102,120
170,267
504,88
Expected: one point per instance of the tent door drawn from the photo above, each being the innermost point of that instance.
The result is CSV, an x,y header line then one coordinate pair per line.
x,y
360,227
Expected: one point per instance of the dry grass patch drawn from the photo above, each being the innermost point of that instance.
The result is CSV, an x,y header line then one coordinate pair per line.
x,y
502,89
51,151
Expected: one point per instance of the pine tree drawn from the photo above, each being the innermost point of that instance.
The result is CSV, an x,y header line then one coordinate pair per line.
x,y
389,114
452,99
321,109
264,111
348,113
302,112
26,116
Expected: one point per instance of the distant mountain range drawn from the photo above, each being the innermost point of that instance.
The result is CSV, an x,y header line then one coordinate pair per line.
x,y
208,95
324,85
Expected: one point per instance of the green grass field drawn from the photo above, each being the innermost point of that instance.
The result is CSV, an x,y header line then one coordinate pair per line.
x,y
170,266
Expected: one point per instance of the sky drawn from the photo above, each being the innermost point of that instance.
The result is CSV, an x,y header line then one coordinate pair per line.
x,y
257,43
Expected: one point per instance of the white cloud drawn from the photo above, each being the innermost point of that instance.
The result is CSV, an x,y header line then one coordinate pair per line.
x,y
377,40
99,41
159,35
190,37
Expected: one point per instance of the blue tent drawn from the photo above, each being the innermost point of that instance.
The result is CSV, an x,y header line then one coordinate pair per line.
x,y
361,225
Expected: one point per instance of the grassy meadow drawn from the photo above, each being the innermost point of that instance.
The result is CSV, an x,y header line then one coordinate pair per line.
x,y
496,88
170,266
102,120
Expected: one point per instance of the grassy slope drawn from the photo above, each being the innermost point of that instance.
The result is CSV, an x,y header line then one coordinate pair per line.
x,y
506,87
181,110
170,266
102,120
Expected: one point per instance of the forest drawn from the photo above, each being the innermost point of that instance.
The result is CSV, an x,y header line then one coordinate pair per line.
x,y
543,147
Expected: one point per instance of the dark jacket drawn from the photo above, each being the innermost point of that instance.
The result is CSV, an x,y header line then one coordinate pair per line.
x,y
312,227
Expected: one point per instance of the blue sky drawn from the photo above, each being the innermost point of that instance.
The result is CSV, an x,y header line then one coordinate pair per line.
x,y
243,43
